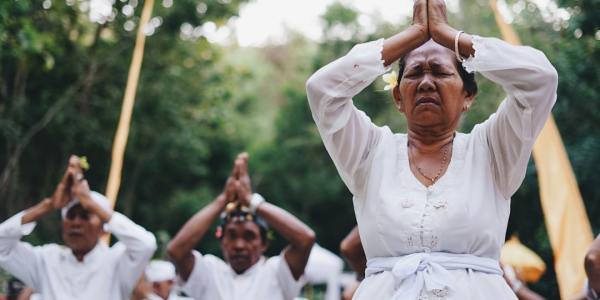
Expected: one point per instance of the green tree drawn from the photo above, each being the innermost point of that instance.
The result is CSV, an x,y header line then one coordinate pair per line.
x,y
62,81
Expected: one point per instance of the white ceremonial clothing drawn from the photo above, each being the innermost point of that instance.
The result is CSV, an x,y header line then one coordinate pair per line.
x,y
323,266
172,296
54,272
466,211
212,278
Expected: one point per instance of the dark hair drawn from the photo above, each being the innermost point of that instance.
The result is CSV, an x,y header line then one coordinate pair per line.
x,y
470,85
243,216
14,288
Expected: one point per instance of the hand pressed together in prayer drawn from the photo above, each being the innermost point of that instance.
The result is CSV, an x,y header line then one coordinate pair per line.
x,y
102,272
244,235
420,16
243,185
62,193
238,187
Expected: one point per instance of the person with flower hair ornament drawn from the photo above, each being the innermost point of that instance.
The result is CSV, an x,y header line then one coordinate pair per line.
x,y
432,204
85,267
243,232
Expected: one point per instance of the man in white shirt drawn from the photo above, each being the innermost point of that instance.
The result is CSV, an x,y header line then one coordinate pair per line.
x,y
84,268
245,273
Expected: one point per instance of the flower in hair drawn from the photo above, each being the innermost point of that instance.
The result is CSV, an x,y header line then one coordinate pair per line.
x,y
391,79
83,162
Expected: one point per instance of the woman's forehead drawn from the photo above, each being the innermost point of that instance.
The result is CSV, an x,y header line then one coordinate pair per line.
x,y
430,52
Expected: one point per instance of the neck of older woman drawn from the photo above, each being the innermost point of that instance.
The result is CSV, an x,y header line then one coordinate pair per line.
x,y
429,155
429,142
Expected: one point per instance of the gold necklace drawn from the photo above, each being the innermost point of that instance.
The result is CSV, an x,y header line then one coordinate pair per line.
x,y
441,169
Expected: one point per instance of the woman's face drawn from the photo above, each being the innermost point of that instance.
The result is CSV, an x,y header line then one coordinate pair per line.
x,y
431,92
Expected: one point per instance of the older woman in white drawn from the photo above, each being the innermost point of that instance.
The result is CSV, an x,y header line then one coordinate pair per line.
x,y
432,204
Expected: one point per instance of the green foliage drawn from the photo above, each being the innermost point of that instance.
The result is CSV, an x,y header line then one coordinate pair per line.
x,y
185,124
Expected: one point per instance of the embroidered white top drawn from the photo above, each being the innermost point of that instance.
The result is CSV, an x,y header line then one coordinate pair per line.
x,y
466,211
212,278
54,272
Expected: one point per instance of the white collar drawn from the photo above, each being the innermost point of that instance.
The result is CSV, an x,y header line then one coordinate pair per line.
x,y
250,271
95,254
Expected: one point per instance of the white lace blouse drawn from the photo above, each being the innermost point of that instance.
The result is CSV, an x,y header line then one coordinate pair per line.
x,y
466,211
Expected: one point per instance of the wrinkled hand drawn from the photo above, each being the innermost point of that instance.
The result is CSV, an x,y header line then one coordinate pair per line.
x,y
437,16
81,190
62,193
230,190
243,186
420,15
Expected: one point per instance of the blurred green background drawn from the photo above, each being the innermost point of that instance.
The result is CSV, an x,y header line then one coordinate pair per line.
x,y
62,80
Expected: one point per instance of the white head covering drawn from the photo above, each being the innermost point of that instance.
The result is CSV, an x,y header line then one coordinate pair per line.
x,y
160,270
97,197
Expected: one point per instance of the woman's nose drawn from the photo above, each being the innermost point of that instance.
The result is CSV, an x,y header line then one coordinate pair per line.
x,y
427,84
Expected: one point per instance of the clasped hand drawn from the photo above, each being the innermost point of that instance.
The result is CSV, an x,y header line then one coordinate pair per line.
x,y
238,187
429,17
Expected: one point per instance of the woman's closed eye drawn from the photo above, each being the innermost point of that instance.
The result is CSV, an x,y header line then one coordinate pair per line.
x,y
440,70
413,73
442,73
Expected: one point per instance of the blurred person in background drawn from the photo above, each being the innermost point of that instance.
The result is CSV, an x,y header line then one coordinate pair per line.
x,y
85,268
17,290
158,283
243,233
162,277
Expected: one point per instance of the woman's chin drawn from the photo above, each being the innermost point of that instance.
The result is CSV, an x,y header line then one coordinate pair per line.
x,y
428,119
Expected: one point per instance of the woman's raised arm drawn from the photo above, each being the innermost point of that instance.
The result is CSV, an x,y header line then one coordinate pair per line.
x,y
347,132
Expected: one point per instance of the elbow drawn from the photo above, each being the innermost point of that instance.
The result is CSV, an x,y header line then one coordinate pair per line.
x,y
551,76
548,74
592,263
150,244
351,248
314,90
311,83
178,252
308,239
174,251
346,249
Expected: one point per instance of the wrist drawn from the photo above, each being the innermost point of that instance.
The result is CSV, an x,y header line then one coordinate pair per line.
x,y
443,34
255,201
46,205
420,32
516,285
221,200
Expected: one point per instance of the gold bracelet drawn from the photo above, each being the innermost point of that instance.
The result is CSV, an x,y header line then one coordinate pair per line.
x,y
458,57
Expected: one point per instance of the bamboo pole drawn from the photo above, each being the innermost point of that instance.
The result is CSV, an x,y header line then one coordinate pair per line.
x,y
120,142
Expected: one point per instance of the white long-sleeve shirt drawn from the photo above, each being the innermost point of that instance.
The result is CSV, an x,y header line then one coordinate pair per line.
x,y
466,211
54,272
214,279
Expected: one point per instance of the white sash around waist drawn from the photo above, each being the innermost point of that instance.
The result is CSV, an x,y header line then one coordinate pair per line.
x,y
416,271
